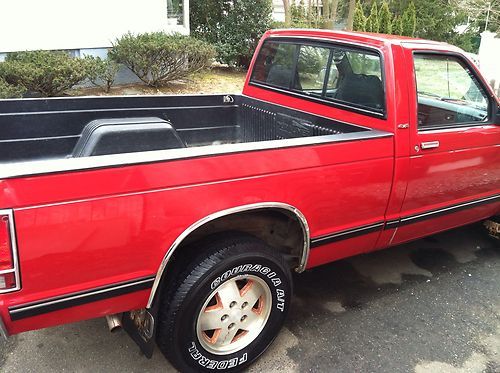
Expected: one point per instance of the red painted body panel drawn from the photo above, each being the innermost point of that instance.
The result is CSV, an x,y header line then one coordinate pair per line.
x,y
86,229
134,229
464,167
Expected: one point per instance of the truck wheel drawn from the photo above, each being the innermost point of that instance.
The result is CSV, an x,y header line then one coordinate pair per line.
x,y
493,227
226,307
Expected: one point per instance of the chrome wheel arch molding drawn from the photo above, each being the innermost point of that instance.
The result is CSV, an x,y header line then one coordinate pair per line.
x,y
285,207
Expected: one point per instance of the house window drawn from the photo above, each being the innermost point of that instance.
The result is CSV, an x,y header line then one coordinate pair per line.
x,y
175,12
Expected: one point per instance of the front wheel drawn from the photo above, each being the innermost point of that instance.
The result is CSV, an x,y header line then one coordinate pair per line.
x,y
226,308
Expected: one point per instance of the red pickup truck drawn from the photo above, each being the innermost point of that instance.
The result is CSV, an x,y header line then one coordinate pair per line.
x,y
183,217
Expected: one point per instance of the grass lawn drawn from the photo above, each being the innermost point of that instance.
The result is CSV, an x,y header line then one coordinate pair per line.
x,y
216,80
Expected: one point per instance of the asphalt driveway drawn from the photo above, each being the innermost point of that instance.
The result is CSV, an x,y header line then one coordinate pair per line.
x,y
429,306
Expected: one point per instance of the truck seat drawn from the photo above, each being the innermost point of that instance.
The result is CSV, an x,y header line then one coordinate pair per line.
x,y
360,89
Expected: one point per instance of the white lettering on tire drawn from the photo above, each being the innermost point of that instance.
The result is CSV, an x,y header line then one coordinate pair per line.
x,y
214,364
280,293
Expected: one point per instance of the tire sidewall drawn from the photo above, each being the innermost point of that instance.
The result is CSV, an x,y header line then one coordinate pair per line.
x,y
261,265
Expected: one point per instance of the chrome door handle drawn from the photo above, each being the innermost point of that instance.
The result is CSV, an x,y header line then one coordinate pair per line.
x,y
430,145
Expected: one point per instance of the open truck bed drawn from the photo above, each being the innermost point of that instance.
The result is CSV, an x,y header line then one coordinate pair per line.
x,y
41,129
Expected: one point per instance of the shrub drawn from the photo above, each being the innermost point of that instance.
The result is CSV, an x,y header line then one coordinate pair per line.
x,y
397,25
385,19
233,27
372,24
10,91
49,73
158,58
303,16
409,20
359,22
102,73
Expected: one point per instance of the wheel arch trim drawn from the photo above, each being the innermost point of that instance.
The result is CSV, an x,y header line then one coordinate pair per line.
x,y
230,211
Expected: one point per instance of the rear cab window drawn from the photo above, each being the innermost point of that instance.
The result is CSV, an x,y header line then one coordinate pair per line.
x,y
338,75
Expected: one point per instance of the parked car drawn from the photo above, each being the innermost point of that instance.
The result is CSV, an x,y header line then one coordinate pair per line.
x,y
183,217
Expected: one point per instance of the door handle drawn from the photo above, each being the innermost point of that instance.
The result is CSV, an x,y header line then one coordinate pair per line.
x,y
429,145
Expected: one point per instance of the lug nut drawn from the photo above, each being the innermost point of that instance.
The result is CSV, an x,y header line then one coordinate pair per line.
x,y
224,318
231,326
243,318
233,303
244,304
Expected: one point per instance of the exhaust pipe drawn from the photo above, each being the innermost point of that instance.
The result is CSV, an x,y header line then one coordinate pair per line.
x,y
114,322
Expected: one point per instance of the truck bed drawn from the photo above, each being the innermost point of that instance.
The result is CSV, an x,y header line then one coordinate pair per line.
x,y
48,129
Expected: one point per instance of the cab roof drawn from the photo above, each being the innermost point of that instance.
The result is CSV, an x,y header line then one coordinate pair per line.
x,y
366,38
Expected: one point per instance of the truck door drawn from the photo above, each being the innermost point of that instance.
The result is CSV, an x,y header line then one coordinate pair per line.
x,y
454,175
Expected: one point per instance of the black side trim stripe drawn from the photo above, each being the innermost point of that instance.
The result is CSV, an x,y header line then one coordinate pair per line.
x,y
79,298
391,224
440,212
344,235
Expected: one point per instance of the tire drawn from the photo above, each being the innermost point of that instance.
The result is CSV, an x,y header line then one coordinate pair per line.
x,y
206,322
491,227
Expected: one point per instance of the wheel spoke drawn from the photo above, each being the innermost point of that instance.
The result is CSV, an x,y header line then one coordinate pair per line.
x,y
228,293
211,320
226,336
250,293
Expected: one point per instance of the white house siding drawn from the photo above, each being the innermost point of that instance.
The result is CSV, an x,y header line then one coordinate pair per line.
x,y
87,26
278,11
489,53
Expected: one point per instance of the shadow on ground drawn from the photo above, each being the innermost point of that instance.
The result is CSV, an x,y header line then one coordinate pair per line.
x,y
429,306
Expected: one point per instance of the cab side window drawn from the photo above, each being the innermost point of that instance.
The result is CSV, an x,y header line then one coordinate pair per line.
x,y
448,93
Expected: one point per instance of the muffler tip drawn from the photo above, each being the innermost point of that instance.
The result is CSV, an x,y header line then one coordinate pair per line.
x,y
114,322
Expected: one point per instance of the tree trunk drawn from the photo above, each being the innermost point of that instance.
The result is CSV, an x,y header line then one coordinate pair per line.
x,y
333,10
327,20
326,8
350,15
288,15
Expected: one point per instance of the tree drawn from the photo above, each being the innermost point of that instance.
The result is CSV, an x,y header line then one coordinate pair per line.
x,y
372,23
384,19
327,21
288,16
397,26
350,15
333,10
234,27
359,23
329,13
482,14
409,20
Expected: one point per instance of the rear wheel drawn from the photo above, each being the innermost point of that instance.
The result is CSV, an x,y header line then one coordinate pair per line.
x,y
226,308
493,226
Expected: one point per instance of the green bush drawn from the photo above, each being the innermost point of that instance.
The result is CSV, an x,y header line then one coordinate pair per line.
x,y
158,58
102,73
233,27
409,20
49,73
385,18
10,91
372,23
303,16
359,21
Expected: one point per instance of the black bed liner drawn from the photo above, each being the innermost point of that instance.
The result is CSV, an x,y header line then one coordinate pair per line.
x,y
38,129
